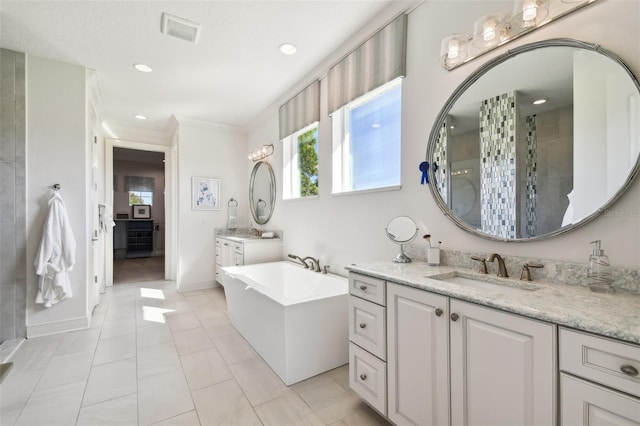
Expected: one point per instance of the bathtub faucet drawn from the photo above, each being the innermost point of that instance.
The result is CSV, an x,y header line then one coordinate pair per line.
x,y
315,263
293,256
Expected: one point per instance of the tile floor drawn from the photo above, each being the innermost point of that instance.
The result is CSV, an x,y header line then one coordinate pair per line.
x,y
138,270
157,356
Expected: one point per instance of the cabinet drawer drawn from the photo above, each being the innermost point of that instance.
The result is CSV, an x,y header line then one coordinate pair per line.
x,y
368,377
367,326
606,361
372,289
218,242
585,403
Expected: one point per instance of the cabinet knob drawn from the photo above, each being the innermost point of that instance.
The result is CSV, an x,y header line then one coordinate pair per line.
x,y
629,370
363,287
363,377
454,317
363,325
438,312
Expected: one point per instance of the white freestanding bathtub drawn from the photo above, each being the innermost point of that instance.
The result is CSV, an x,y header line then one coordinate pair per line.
x,y
296,319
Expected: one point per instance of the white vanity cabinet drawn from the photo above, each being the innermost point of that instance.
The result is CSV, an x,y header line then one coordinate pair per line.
x,y
235,251
367,340
453,362
599,380
503,367
418,356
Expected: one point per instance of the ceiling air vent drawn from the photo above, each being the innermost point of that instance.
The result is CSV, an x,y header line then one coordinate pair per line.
x,y
180,28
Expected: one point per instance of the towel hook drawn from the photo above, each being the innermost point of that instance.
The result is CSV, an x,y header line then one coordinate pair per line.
x,y
56,187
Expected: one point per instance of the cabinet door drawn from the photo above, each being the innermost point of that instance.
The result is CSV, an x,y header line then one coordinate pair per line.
x,y
588,404
417,356
503,368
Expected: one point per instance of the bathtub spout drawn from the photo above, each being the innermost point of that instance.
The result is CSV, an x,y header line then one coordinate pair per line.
x,y
293,256
315,263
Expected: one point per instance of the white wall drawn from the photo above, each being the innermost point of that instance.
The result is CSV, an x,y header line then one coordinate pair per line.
x,y
212,151
57,153
350,229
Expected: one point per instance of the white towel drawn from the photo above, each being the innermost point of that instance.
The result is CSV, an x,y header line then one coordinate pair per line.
x,y
232,221
56,255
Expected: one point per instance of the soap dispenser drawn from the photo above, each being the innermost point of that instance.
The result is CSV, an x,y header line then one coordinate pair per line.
x,y
599,274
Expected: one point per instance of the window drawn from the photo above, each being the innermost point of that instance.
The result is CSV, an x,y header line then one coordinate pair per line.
x,y
367,141
298,121
140,197
300,159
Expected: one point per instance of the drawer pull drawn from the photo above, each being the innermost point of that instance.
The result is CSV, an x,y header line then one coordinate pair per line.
x,y
363,325
363,287
438,312
363,377
629,370
454,317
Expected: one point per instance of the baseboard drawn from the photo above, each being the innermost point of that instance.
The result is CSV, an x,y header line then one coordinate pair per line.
x,y
201,285
57,327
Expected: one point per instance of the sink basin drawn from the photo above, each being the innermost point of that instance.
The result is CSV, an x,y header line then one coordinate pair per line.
x,y
496,284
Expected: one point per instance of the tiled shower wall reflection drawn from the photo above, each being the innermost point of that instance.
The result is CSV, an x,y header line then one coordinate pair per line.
x,y
498,117
13,242
532,160
440,160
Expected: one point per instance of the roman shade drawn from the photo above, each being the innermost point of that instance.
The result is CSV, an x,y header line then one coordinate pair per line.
x,y
139,183
375,62
301,110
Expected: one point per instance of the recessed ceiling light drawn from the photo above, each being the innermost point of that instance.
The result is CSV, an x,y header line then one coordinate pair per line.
x,y
376,126
288,49
142,67
539,101
140,117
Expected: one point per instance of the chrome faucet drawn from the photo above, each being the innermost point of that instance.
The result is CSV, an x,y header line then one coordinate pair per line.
x,y
502,269
301,260
315,263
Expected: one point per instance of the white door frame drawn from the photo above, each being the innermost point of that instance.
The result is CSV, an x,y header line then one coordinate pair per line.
x,y
169,202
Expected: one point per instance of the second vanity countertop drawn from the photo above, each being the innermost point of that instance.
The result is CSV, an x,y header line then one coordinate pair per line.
x,y
615,315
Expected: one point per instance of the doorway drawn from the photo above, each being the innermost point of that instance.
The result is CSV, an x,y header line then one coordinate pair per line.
x,y
138,210
139,183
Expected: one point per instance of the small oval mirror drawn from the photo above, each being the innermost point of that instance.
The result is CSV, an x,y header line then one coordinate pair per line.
x,y
262,192
401,230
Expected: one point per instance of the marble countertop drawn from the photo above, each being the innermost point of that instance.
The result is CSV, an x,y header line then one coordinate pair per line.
x,y
246,238
615,315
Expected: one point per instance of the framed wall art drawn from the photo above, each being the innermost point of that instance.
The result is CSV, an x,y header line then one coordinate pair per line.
x,y
205,193
141,211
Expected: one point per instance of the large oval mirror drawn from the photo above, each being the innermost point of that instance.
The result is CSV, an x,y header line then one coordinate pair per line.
x,y
262,192
537,142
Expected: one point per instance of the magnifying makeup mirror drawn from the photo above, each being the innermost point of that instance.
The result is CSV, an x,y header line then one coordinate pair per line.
x,y
401,230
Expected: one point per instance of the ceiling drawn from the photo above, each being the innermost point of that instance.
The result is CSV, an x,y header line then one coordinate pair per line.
x,y
232,74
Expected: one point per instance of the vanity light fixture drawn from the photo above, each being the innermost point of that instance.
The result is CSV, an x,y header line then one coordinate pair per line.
x,y
261,152
142,67
488,31
453,50
493,30
288,49
529,14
